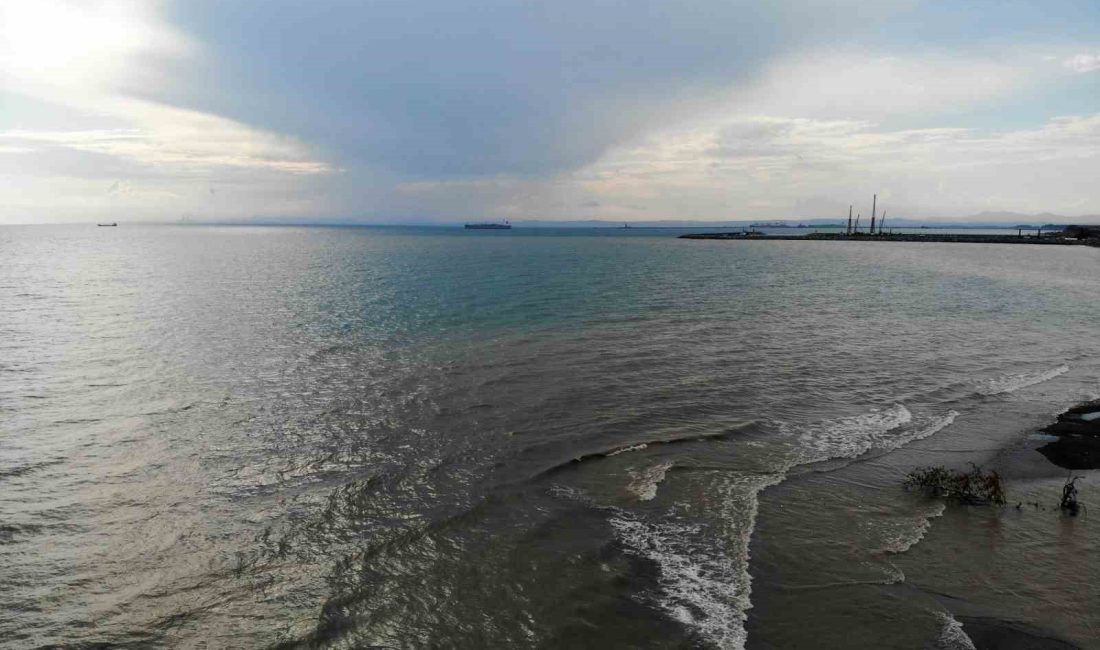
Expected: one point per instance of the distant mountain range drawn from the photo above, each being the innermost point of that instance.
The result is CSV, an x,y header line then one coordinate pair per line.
x,y
1043,217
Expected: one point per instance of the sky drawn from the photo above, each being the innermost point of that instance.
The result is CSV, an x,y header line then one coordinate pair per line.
x,y
418,111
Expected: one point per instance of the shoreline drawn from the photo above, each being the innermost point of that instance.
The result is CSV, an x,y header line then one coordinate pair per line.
x,y
1071,443
1045,456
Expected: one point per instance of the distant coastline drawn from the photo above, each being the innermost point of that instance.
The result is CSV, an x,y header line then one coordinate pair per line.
x,y
1068,236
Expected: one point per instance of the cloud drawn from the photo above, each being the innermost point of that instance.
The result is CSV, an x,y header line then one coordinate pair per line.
x,y
1083,63
185,141
430,109
432,88
67,117
761,166
87,45
871,85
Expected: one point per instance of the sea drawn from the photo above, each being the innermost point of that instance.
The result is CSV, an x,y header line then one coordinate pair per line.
x,y
426,437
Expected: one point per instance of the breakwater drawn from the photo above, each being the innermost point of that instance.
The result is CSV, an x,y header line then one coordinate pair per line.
x,y
1049,240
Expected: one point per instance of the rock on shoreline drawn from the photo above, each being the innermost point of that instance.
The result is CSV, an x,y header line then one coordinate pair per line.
x,y
1078,433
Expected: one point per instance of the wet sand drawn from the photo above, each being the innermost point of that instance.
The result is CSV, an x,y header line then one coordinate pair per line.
x,y
1043,460
1011,577
996,634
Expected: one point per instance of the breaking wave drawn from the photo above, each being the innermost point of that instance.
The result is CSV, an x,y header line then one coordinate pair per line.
x,y
638,446
952,636
623,450
703,569
878,429
643,482
1012,383
903,534
850,436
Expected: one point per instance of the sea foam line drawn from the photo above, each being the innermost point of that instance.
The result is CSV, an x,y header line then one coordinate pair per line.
x,y
935,425
952,635
644,482
912,531
708,588
704,585
1013,383
851,436
623,450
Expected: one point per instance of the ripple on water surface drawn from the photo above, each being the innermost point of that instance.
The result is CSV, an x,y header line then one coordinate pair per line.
x,y
243,436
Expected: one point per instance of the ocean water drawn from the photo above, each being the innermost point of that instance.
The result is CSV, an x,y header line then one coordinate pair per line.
x,y
425,437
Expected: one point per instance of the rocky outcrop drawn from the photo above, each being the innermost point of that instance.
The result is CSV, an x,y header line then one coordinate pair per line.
x,y
1078,443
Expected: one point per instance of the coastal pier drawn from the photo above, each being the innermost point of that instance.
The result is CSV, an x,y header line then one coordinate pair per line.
x,y
1051,239
1061,236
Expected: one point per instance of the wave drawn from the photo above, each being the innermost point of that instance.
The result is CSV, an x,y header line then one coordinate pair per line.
x,y
849,437
935,426
623,450
929,426
877,430
904,534
1014,382
20,470
8,532
952,636
643,483
637,446
703,569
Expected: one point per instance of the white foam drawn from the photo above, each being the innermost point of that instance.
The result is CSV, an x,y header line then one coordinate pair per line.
x,y
952,636
894,575
903,534
851,436
572,494
703,570
623,450
935,425
854,436
1013,383
644,482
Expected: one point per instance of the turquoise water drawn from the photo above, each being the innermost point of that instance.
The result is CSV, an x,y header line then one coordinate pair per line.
x,y
422,437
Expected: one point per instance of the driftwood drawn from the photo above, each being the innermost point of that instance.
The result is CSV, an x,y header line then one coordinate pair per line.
x,y
1069,501
971,487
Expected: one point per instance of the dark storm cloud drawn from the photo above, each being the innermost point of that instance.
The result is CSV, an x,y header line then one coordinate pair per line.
x,y
441,88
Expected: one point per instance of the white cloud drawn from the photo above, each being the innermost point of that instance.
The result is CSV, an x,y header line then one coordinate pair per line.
x,y
1083,62
761,166
86,45
815,133
868,85
188,141
81,56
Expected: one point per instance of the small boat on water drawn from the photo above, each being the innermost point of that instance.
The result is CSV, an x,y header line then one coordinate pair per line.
x,y
107,225
489,226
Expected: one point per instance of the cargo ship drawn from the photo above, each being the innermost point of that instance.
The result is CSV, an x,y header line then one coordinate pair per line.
x,y
489,226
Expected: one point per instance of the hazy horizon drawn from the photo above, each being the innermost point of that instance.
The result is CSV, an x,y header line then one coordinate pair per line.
x,y
1004,221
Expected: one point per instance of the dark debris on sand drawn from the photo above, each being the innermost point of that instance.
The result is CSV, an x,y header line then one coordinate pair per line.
x,y
1078,444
